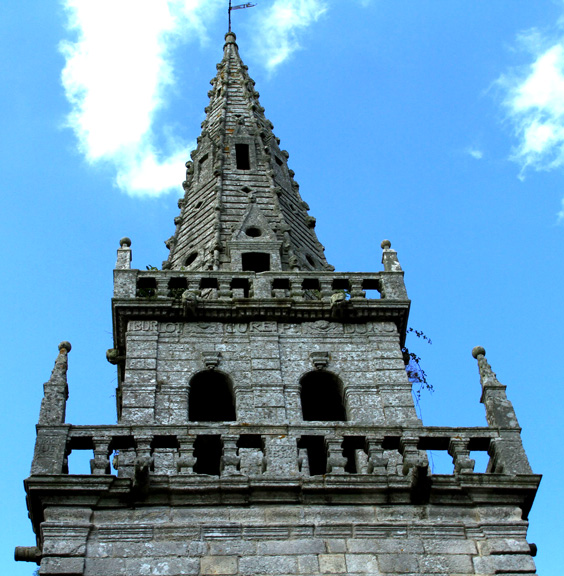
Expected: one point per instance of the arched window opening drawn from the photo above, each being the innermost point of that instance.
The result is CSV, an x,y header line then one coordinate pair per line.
x,y
322,397
211,398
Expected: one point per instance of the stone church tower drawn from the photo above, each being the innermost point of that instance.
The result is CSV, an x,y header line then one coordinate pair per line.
x,y
265,419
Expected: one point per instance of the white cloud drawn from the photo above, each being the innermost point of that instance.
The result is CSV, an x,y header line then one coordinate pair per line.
x,y
534,102
475,153
116,77
280,25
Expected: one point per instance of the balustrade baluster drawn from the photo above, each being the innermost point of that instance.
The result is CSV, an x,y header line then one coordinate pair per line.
x,y
224,290
162,286
357,293
230,459
325,288
186,460
412,457
100,464
296,290
377,462
458,449
336,462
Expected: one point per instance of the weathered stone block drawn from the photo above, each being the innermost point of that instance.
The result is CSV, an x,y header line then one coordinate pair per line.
x,y
253,565
447,563
504,563
398,563
232,547
105,566
282,547
210,565
159,566
58,565
362,563
332,563
448,546
386,545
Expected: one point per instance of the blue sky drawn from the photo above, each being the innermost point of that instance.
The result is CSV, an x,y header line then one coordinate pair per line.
x,y
438,124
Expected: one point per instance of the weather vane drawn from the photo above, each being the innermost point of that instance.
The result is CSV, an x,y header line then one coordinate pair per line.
x,y
238,7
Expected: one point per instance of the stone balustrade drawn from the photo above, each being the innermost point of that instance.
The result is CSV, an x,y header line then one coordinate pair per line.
x,y
329,287
308,450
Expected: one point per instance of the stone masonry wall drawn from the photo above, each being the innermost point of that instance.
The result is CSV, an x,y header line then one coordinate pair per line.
x,y
288,540
265,362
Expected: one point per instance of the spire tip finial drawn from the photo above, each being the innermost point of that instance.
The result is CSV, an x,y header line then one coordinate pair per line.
x,y
64,345
477,351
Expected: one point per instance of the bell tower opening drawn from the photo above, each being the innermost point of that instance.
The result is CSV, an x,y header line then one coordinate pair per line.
x,y
211,398
322,397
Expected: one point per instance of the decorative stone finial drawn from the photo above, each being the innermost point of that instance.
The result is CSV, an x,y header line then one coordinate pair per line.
x,y
64,345
386,244
477,350
125,241
230,38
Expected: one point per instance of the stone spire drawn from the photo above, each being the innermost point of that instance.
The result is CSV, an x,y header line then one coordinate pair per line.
x,y
507,453
56,391
242,208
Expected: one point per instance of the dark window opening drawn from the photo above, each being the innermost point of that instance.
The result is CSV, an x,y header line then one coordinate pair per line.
x,y
208,283
176,287
245,189
316,453
242,157
281,284
371,287
310,260
311,284
240,284
146,287
253,232
250,441
191,258
351,445
203,160
164,442
278,161
207,451
322,397
211,398
198,205
255,261
341,284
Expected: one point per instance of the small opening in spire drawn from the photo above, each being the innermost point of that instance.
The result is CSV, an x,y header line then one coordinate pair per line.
x,y
255,262
191,258
278,161
242,157
253,232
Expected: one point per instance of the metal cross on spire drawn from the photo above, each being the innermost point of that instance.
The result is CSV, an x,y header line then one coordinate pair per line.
x,y
238,7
